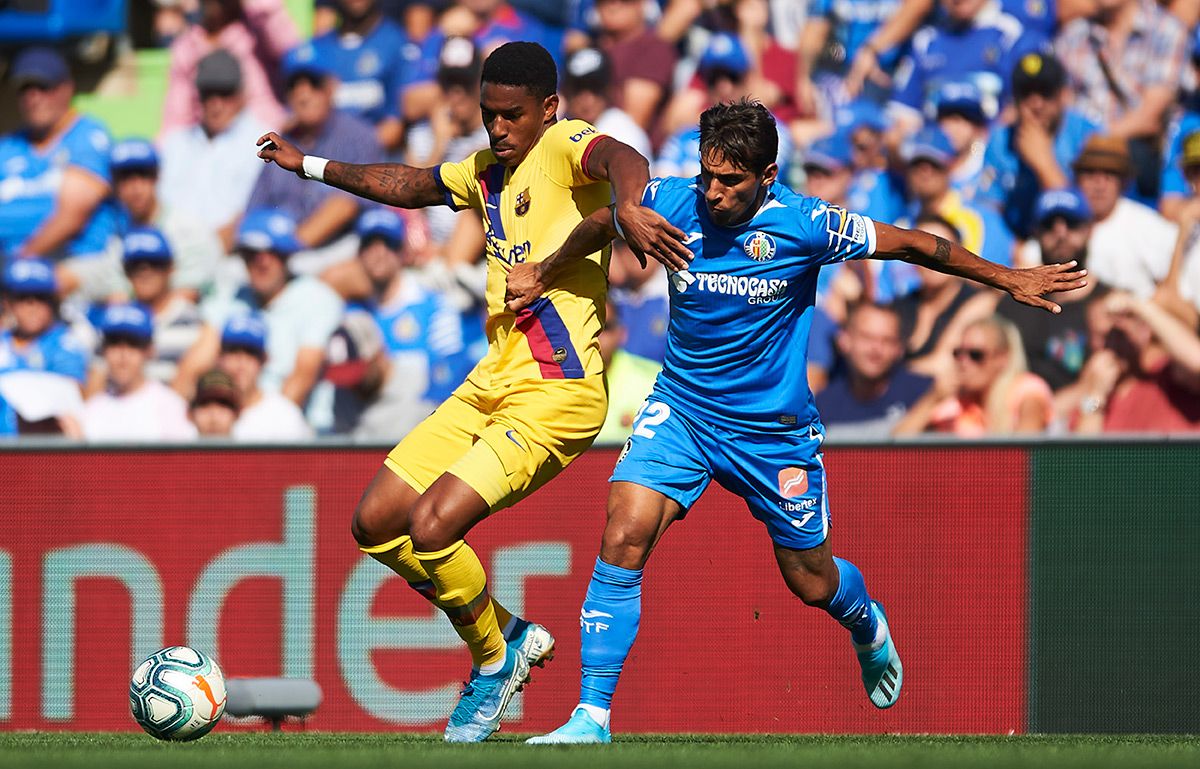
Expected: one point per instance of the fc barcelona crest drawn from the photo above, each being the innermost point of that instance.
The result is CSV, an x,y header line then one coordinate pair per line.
x,y
522,207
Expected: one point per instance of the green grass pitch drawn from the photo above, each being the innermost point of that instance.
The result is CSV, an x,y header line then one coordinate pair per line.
x,y
378,751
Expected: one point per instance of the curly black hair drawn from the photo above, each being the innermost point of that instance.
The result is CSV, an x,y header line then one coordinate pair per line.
x,y
522,64
742,132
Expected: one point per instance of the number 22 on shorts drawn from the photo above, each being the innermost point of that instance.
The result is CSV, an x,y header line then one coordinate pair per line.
x,y
649,416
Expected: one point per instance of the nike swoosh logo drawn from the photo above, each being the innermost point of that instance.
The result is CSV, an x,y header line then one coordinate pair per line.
x,y
512,437
593,614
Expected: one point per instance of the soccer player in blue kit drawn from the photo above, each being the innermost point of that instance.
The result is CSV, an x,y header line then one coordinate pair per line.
x,y
732,403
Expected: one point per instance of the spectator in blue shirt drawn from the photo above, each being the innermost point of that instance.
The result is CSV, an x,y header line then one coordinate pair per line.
x,y
1036,152
928,156
422,357
973,40
641,298
372,59
870,392
874,190
832,36
1174,188
54,179
723,67
958,107
324,215
38,340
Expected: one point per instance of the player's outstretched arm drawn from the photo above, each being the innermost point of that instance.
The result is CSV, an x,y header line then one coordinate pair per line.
x,y
646,231
527,281
392,183
1027,286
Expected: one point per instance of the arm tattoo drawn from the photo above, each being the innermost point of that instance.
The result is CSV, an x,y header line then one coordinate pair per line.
x,y
390,183
942,252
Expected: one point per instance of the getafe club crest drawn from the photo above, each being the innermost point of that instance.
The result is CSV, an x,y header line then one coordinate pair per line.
x,y
760,246
522,206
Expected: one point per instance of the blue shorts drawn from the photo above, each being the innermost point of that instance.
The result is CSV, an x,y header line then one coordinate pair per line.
x,y
781,475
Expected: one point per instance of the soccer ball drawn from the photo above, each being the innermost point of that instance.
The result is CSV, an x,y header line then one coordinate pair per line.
x,y
177,694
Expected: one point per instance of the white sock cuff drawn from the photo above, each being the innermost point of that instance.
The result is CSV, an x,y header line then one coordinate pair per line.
x,y
596,713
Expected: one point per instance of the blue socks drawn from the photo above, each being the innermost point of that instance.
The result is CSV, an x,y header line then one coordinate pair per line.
x,y
608,625
851,605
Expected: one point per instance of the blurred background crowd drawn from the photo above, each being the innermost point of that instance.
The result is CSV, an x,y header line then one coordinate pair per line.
x,y
169,286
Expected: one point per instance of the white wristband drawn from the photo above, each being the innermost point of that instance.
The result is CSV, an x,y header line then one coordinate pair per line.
x,y
314,167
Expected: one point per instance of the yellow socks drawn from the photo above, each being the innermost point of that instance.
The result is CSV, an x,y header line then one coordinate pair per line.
x,y
461,592
398,556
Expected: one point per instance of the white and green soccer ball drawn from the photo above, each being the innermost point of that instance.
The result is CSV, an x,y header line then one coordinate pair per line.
x,y
177,694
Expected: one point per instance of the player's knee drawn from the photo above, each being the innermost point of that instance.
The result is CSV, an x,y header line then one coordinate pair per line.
x,y
812,589
626,545
430,528
374,523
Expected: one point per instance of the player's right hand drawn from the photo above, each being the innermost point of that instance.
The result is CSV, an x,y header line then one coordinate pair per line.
x,y
273,148
522,286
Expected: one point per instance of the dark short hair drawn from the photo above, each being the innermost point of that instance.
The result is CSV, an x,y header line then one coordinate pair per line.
x,y
528,65
858,308
929,216
742,132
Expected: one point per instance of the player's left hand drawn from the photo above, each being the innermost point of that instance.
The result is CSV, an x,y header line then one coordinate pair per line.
x,y
523,285
1028,286
648,234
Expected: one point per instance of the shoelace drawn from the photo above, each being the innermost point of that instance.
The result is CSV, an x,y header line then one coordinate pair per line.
x,y
467,702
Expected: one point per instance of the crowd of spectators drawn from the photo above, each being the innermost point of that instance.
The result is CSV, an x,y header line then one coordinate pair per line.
x,y
172,287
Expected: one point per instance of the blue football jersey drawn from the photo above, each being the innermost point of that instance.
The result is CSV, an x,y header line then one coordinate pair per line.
x,y
56,351
370,69
737,338
31,180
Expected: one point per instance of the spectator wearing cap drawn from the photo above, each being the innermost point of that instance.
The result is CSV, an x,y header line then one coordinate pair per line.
x,y
971,40
149,265
255,32
586,86
195,249
266,415
724,67
959,111
929,156
208,167
1056,345
1131,243
1124,66
300,312
37,340
215,407
1035,153
133,406
422,356
641,64
874,190
324,215
455,127
366,53
55,182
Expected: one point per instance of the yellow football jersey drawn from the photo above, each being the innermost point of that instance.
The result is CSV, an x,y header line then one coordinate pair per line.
x,y
527,214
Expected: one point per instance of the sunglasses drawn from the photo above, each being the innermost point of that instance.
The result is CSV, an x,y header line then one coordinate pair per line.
x,y
1071,222
974,354
26,297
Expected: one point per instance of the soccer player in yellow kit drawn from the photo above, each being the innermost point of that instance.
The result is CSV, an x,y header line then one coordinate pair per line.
x,y
537,399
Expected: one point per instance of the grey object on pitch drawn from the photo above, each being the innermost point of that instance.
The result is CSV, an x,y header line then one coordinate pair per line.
x,y
272,698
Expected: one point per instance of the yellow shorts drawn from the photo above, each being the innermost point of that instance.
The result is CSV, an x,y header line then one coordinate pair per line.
x,y
504,443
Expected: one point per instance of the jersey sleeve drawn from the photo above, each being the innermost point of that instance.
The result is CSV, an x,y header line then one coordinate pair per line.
x,y
89,149
459,184
834,234
567,151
